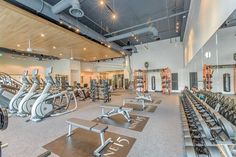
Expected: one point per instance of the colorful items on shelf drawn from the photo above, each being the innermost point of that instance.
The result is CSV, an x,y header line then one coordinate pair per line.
x,y
166,81
207,77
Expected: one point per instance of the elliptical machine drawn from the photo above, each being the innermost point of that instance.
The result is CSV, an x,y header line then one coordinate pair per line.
x,y
13,106
51,103
25,105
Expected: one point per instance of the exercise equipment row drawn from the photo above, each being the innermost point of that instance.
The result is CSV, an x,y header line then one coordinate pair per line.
x,y
31,101
222,104
204,130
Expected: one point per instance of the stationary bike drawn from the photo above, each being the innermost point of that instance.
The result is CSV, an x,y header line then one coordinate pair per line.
x,y
51,103
13,106
25,105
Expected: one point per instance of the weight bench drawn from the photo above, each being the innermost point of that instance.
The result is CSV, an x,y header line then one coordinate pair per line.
x,y
135,101
115,110
90,126
145,97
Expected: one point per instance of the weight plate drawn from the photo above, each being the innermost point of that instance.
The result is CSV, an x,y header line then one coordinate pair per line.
x,y
3,119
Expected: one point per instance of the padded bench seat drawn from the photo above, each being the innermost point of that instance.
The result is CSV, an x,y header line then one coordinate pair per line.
x,y
90,126
115,110
139,102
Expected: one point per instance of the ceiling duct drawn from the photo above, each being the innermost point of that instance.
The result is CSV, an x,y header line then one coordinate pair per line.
x,y
152,30
75,9
130,48
231,22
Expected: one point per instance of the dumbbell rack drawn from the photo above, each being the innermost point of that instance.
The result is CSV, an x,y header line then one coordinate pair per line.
x,y
221,104
100,91
140,81
166,81
207,77
204,129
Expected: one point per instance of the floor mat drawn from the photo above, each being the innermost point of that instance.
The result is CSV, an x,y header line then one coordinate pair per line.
x,y
138,122
83,143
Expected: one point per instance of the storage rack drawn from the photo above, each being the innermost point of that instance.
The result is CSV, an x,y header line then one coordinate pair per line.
x,y
100,91
166,81
140,82
207,77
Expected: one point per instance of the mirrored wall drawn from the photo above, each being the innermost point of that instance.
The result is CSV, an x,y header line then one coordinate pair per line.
x,y
214,66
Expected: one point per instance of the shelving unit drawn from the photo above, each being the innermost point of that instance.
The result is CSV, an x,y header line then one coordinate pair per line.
x,y
207,77
140,77
166,81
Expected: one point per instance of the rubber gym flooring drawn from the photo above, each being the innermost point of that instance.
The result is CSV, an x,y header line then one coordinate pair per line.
x,y
161,136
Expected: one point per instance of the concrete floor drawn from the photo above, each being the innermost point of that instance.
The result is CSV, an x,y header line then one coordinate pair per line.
x,y
161,137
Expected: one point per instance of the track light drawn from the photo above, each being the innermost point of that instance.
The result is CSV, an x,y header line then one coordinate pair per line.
x,y
113,16
42,35
101,2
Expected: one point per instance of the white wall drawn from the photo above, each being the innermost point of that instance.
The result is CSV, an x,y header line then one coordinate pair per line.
x,y
223,42
159,54
15,66
102,66
205,17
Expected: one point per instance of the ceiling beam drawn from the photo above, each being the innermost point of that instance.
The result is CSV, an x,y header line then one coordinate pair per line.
x,y
184,20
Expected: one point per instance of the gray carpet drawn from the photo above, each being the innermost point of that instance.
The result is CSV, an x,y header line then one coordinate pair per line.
x,y
161,137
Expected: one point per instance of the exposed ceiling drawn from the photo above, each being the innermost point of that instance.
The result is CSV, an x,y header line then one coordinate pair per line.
x,y
18,27
130,16
131,13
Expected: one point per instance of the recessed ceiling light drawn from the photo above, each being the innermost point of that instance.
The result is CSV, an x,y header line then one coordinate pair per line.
x,y
135,38
106,56
54,47
184,16
42,35
61,22
113,16
60,54
102,2
109,46
69,26
132,35
18,45
77,30
71,58
84,48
